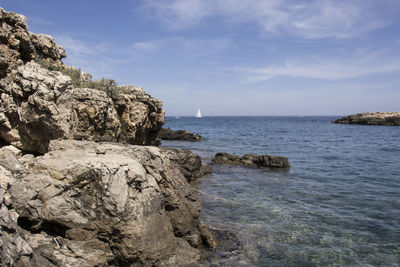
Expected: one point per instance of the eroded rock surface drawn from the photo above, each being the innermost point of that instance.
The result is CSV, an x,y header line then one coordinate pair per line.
x,y
252,160
375,118
86,203
38,104
189,163
182,135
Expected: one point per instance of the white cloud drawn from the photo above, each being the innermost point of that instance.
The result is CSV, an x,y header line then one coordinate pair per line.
x,y
99,59
312,19
330,69
146,46
193,47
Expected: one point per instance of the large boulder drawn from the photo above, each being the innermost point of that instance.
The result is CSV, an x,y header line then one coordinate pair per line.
x,y
39,104
252,160
374,118
189,163
86,203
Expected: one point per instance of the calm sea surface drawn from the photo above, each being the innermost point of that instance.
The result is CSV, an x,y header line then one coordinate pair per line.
x,y
338,205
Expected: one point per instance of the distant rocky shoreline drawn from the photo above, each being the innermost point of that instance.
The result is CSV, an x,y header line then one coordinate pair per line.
x,y
374,118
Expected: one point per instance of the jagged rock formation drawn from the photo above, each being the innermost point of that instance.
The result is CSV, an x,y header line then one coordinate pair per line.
x,y
19,46
67,201
252,160
375,118
182,135
189,163
87,203
39,105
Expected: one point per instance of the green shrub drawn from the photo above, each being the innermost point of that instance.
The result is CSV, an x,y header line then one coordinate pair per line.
x,y
107,85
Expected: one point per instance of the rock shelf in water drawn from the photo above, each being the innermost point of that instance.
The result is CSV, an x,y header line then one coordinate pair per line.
x,y
182,135
252,160
375,118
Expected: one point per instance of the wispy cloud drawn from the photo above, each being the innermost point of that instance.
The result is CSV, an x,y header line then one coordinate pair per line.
x,y
313,19
193,47
327,68
146,46
100,59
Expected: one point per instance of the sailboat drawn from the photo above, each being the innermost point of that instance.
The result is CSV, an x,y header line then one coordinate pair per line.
x,y
198,114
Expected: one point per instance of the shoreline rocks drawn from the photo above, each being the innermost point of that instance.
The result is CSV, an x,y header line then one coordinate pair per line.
x,y
70,197
86,203
189,163
252,160
181,135
374,118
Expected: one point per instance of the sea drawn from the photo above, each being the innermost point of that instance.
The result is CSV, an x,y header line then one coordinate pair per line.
x,y
337,205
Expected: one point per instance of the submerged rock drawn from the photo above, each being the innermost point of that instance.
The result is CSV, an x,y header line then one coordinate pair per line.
x,y
182,135
252,160
86,203
375,118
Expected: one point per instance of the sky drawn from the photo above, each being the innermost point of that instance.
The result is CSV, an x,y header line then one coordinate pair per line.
x,y
234,57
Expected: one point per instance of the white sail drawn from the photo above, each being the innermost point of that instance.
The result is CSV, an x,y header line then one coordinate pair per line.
x,y
198,114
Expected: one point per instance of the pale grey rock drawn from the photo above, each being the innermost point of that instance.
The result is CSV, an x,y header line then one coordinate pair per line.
x,y
38,104
29,115
129,198
9,161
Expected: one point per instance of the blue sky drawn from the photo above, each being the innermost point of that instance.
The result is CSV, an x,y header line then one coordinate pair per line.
x,y
235,57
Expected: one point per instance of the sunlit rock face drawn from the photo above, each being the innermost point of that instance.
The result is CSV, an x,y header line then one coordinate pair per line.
x,y
39,104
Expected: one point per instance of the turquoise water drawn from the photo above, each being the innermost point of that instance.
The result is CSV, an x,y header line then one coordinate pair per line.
x,y
338,205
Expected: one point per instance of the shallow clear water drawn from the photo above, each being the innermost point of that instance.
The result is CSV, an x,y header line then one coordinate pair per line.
x,y
338,205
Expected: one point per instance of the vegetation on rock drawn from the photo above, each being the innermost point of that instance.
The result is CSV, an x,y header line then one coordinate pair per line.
x,y
81,79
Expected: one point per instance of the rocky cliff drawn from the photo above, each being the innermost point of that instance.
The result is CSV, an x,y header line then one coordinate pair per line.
x,y
39,104
71,194
374,118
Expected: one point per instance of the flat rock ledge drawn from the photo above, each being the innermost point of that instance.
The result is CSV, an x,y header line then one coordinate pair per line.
x,y
181,135
374,118
252,160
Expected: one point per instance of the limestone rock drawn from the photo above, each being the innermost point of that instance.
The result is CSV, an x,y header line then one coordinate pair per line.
x,y
39,104
252,160
18,45
182,135
375,118
141,116
104,203
189,163
29,114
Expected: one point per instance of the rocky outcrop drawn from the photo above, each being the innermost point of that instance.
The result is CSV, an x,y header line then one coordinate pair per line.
x,y
181,135
252,160
67,198
189,163
97,204
19,46
39,105
375,118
